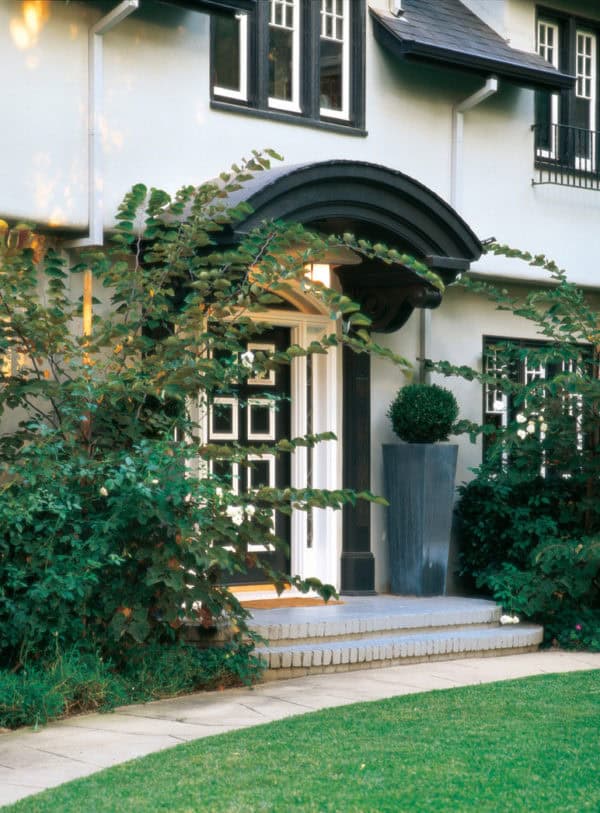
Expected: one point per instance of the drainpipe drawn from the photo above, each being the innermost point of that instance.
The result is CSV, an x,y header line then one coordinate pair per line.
x,y
456,177
95,175
458,115
95,110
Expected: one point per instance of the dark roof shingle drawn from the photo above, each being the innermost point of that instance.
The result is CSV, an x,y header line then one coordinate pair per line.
x,y
214,6
447,32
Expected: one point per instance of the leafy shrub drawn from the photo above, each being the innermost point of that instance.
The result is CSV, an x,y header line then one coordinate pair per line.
x,y
114,528
578,629
155,671
423,413
530,520
503,519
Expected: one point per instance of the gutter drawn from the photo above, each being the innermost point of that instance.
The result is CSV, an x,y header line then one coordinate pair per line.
x,y
95,110
517,67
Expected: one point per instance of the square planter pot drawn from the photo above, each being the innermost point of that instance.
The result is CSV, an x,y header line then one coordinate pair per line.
x,y
419,486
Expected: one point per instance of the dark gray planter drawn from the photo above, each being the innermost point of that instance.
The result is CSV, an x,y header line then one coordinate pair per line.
x,y
419,483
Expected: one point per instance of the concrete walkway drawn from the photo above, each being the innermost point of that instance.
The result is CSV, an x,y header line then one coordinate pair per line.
x,y
33,760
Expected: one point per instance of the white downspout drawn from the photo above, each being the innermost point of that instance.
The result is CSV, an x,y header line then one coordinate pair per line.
x,y
95,174
95,111
456,178
458,116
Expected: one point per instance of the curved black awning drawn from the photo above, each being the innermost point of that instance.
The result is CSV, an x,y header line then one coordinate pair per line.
x,y
369,199
376,203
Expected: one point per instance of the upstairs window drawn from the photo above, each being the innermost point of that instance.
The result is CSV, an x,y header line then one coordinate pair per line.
x,y
298,58
334,59
566,124
230,57
284,55
547,104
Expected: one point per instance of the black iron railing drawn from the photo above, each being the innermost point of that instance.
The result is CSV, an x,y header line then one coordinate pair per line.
x,y
567,156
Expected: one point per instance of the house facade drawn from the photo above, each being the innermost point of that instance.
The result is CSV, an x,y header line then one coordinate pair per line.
x,y
432,125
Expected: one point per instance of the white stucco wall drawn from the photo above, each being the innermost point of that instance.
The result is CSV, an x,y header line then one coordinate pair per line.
x,y
158,128
492,12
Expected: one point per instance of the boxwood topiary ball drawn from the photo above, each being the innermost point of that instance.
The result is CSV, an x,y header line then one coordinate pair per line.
x,y
423,413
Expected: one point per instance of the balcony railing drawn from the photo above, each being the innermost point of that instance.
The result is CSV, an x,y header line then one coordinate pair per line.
x,y
567,156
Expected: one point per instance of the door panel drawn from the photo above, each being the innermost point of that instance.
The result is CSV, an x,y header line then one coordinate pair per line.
x,y
258,413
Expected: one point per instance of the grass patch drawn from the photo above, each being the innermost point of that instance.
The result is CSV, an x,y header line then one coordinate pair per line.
x,y
522,745
75,682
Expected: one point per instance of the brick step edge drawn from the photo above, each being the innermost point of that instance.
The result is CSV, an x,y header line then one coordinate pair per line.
x,y
295,672
357,636
365,625
420,645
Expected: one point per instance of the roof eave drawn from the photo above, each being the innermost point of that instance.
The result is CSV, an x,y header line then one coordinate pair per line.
x,y
214,6
539,79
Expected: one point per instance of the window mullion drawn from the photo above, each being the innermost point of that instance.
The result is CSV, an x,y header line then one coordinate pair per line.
x,y
310,75
569,60
261,55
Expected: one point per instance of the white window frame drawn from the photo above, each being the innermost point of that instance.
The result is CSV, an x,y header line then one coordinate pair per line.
x,y
240,95
344,113
587,164
269,404
292,105
235,429
235,476
267,378
270,458
555,98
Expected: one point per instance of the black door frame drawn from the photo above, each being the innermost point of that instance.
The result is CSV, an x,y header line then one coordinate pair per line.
x,y
376,202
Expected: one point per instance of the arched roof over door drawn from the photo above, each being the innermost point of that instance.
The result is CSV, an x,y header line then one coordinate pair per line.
x,y
373,202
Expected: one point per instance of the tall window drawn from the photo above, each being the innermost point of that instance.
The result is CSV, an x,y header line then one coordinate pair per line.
x,y
284,55
566,124
584,112
304,58
547,104
230,57
334,58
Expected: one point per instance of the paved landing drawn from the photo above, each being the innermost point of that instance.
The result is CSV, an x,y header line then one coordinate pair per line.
x,y
33,760
360,614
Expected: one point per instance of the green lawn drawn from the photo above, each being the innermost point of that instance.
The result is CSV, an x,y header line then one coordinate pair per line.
x,y
523,745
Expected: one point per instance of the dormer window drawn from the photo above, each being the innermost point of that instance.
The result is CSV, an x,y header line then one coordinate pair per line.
x,y
302,59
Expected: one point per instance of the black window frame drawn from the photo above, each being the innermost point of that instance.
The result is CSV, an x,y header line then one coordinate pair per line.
x,y
257,103
517,372
567,137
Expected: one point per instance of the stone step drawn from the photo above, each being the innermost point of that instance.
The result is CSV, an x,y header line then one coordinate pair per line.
x,y
354,622
371,651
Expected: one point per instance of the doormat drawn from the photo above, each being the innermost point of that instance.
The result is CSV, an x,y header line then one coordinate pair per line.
x,y
276,603
269,587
